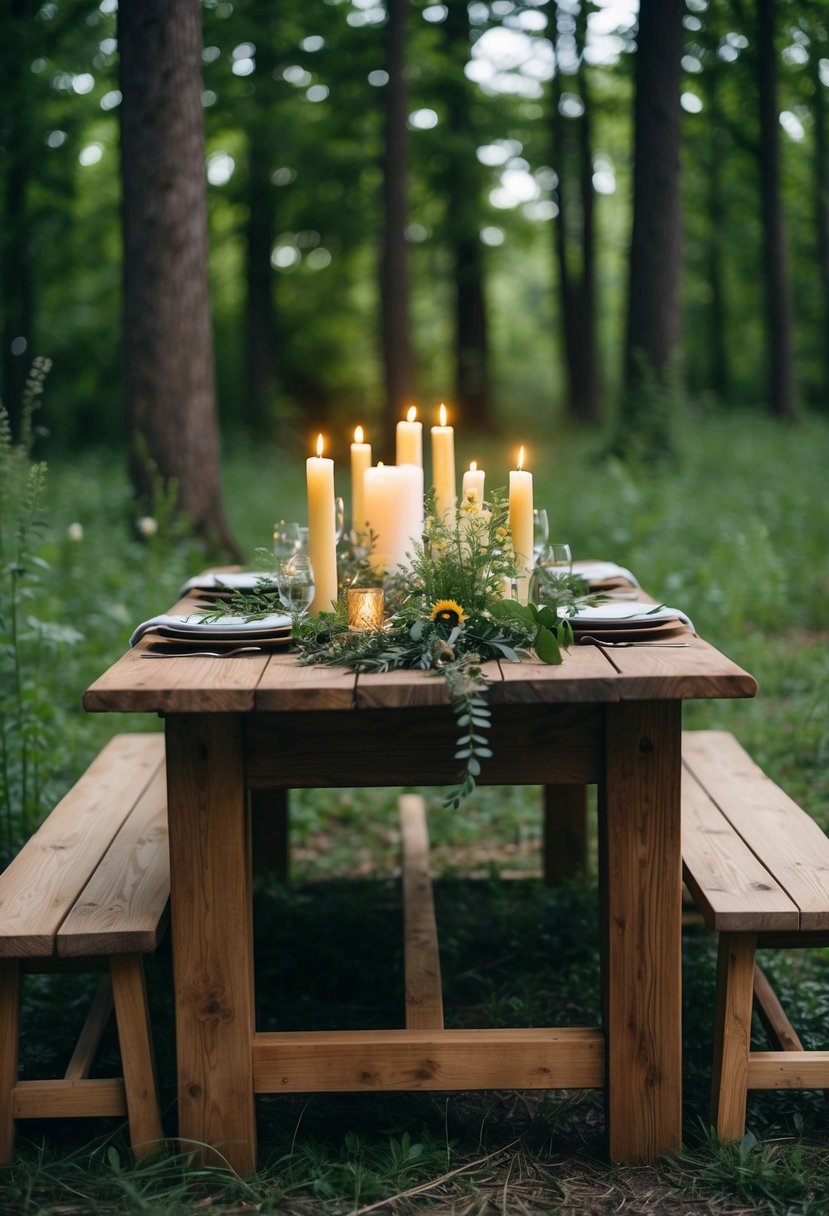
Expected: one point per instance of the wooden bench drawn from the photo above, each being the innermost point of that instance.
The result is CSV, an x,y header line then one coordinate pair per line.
x,y
758,868
89,890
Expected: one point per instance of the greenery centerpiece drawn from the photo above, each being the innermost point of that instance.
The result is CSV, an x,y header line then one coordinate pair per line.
x,y
449,612
453,608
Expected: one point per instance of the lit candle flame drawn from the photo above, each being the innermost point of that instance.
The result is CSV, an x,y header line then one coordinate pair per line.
x,y
443,415
473,464
319,445
358,434
411,415
521,458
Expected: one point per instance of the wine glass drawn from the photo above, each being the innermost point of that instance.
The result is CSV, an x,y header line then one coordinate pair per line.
x,y
552,564
557,559
287,540
339,519
295,583
541,530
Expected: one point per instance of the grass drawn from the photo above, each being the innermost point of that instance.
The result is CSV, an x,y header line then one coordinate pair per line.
x,y
736,534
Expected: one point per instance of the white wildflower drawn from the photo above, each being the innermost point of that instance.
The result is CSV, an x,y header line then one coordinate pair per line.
x,y
147,526
75,532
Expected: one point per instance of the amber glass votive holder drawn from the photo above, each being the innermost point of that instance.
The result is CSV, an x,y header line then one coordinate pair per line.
x,y
365,608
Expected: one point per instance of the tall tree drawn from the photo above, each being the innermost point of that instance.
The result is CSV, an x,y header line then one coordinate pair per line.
x,y
775,255
17,160
168,348
463,188
818,52
653,312
259,317
394,255
574,227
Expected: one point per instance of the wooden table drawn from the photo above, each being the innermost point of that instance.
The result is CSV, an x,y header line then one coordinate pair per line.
x,y
260,722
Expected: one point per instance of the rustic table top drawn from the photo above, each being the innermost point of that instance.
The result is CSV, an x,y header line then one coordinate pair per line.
x,y
276,682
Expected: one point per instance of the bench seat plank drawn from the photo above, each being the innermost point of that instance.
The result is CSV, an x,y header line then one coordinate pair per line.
x,y
731,887
784,838
121,908
43,881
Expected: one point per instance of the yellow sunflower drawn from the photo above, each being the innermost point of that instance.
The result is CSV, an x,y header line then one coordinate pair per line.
x,y
447,612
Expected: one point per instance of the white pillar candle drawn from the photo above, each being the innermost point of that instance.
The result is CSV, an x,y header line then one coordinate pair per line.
x,y
410,439
521,524
394,510
322,540
443,469
360,461
473,479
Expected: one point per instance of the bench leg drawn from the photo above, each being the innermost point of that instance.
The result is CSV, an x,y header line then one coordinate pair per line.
x,y
129,993
9,1047
732,1034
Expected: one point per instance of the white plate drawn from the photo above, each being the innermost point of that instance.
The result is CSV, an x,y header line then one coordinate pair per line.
x,y
190,626
627,613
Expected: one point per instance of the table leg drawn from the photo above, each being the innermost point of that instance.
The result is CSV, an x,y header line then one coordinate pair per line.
x,y
212,936
269,829
565,832
641,879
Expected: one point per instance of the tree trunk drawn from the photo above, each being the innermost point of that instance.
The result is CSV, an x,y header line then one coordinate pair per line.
x,y
775,256
17,300
717,327
168,346
817,51
260,327
260,323
574,229
394,257
473,398
654,319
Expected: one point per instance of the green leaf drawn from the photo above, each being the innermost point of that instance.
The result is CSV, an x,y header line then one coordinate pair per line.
x,y
547,647
511,610
548,617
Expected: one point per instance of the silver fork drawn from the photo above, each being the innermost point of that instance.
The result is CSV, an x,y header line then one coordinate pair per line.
x,y
199,654
586,638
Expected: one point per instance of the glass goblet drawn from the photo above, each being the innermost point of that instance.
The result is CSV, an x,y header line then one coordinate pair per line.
x,y
295,584
287,540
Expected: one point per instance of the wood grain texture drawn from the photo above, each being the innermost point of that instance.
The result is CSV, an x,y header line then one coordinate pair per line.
x,y
788,1070
565,832
278,683
43,881
732,1034
211,935
348,1061
779,1029
286,686
176,684
640,852
786,840
69,1099
122,906
83,1057
730,886
129,994
9,1051
531,745
423,988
